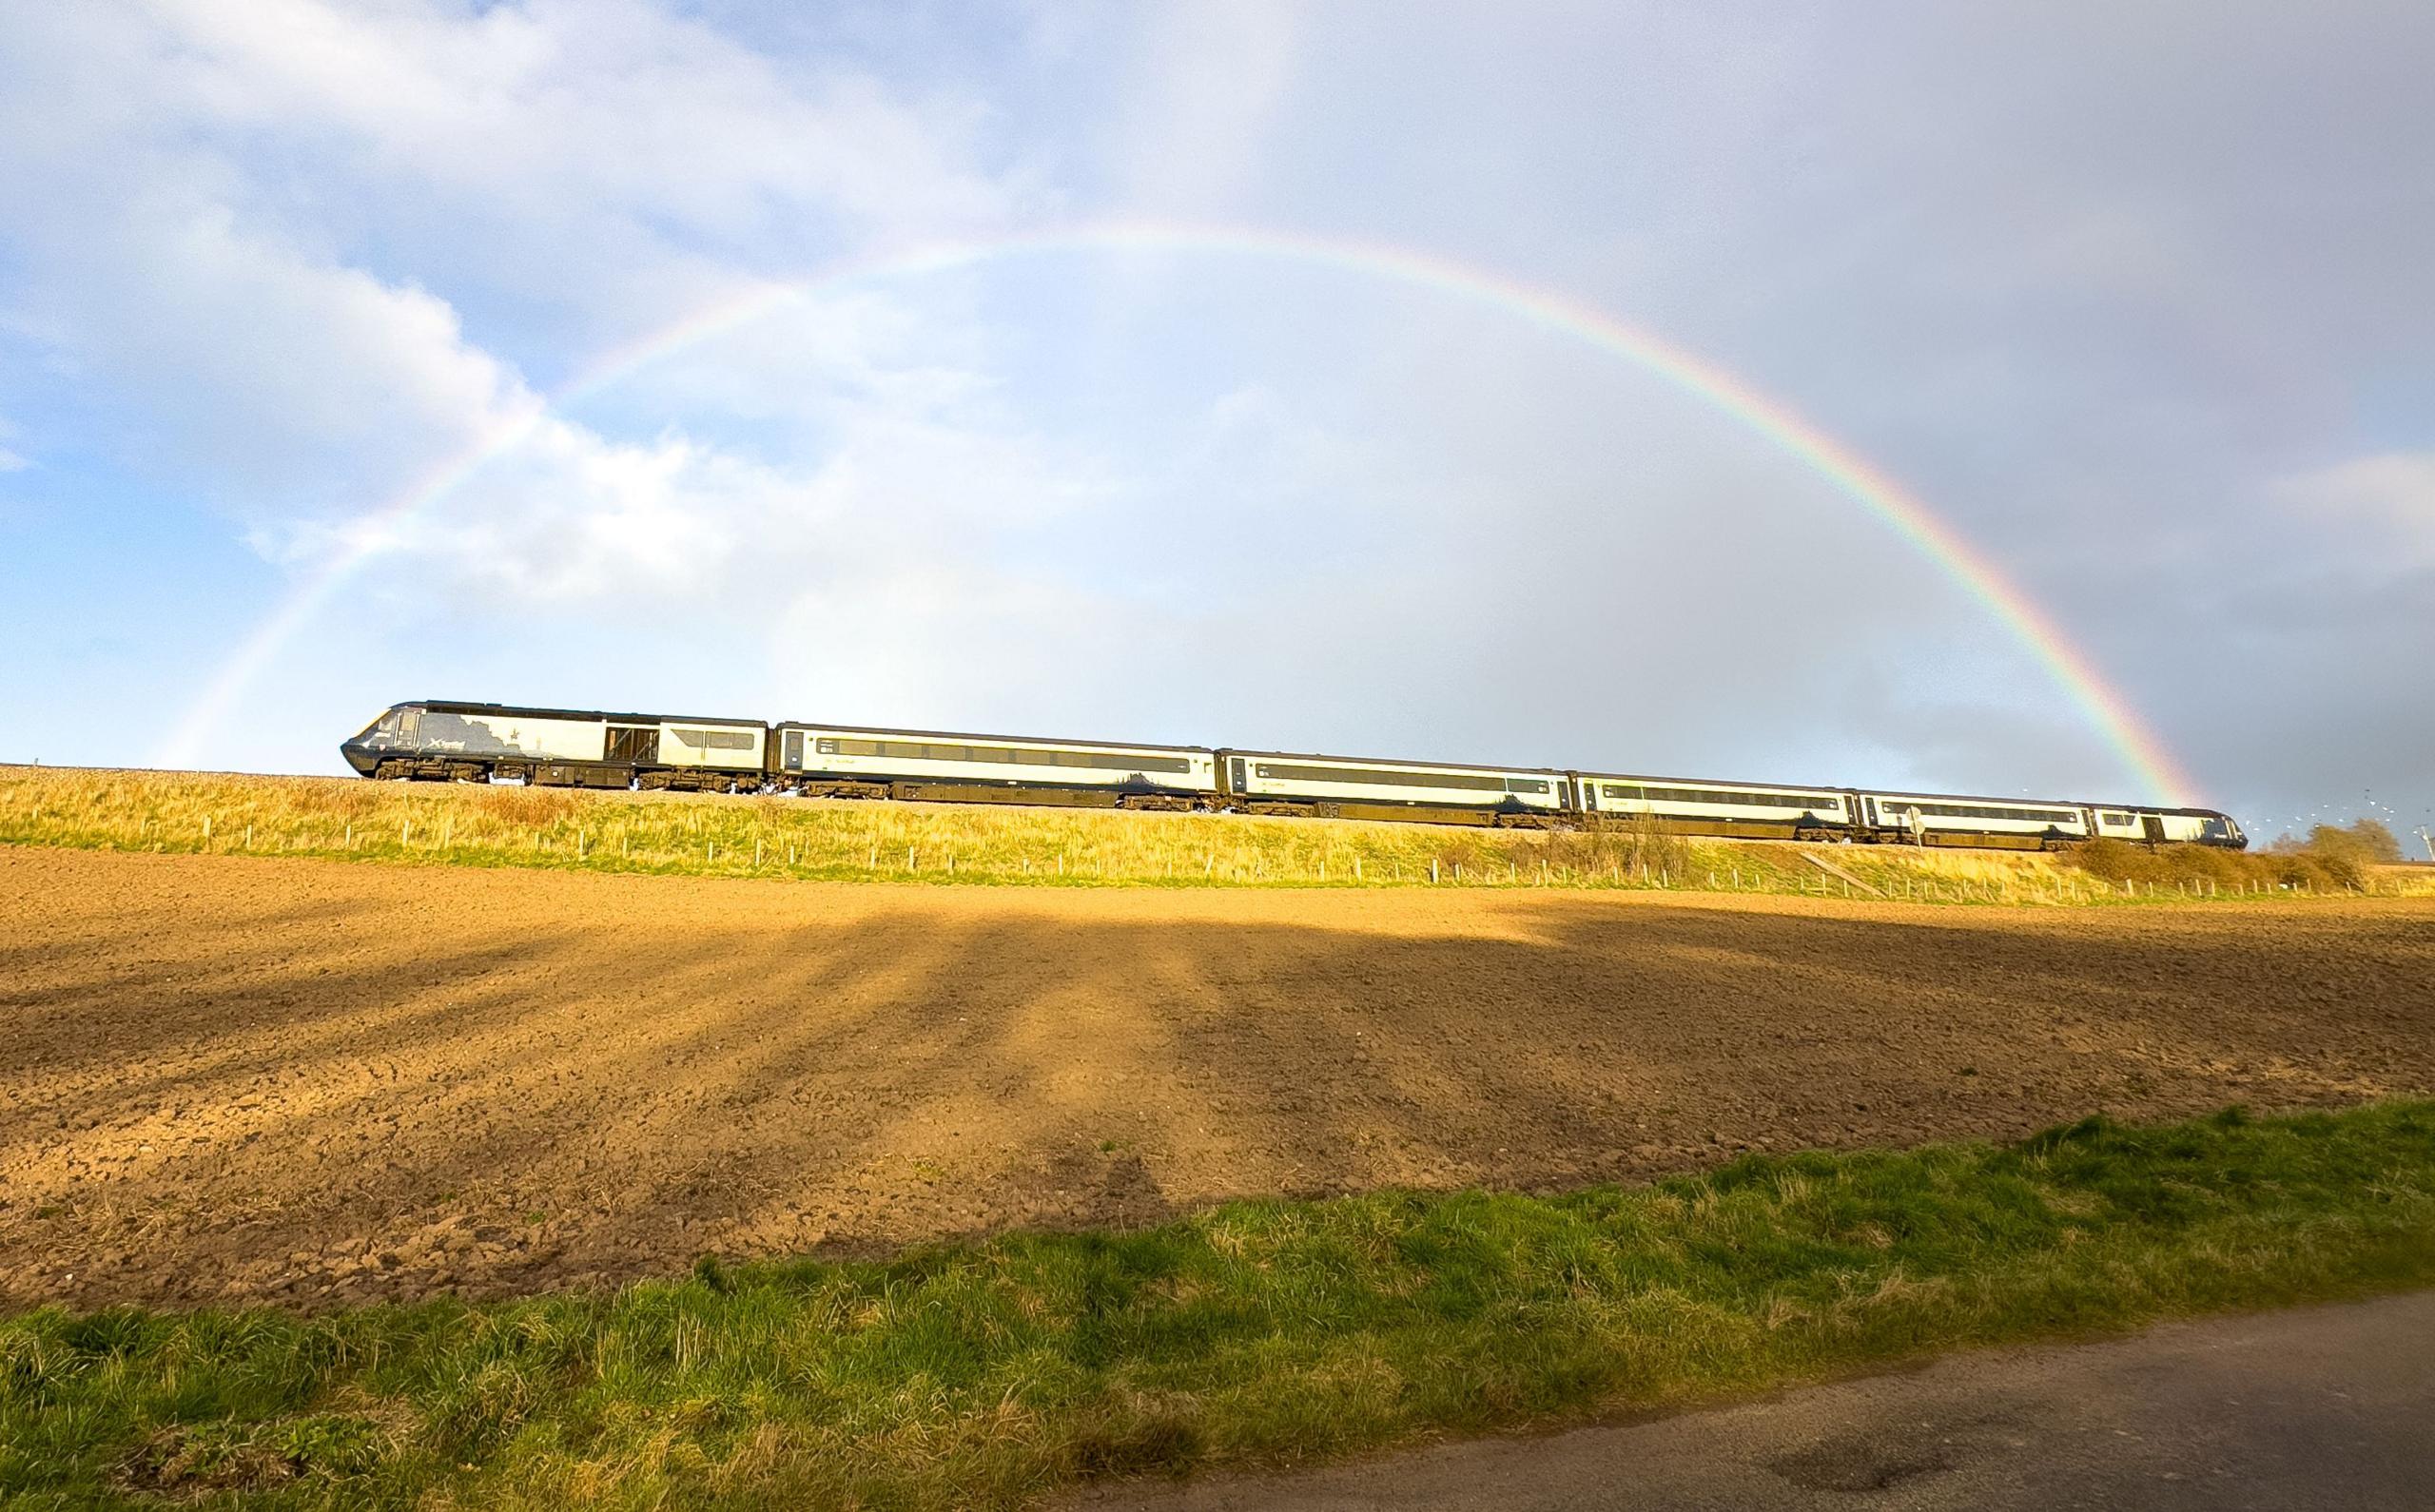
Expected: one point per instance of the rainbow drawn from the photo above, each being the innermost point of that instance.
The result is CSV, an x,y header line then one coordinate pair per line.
x,y
2104,708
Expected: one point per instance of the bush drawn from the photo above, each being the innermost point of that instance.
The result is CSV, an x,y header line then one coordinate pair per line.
x,y
2331,860
2364,842
1636,845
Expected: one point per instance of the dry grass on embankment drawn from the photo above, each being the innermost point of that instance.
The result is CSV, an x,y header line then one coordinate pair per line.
x,y
770,836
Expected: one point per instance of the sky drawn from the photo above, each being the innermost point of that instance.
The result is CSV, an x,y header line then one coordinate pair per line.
x,y
1045,368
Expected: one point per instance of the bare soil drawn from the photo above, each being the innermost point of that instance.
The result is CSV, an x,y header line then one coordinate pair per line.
x,y
316,1082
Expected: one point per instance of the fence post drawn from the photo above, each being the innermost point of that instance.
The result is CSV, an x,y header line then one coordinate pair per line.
x,y
1432,868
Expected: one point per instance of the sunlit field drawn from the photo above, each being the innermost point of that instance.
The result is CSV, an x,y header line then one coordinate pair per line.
x,y
771,837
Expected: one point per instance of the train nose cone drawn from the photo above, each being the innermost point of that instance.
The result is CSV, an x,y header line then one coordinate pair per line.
x,y
359,757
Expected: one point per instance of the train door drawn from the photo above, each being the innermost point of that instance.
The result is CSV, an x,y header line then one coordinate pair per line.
x,y
633,745
2152,829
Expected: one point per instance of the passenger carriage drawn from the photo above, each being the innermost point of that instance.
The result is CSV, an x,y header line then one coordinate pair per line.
x,y
843,760
1943,819
1689,807
1361,788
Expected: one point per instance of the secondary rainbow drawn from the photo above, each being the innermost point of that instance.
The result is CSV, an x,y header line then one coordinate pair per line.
x,y
2138,748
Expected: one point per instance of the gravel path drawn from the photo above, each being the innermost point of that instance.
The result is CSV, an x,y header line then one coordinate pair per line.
x,y
2321,1408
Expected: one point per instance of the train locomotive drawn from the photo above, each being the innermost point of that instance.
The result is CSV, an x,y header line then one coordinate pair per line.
x,y
458,742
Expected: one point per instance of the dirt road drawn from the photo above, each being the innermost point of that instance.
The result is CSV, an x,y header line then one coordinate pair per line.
x,y
318,1081
2319,1407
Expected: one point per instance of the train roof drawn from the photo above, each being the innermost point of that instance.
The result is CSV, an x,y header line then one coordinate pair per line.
x,y
1021,740
1588,775
450,705
2048,803
1980,798
1394,761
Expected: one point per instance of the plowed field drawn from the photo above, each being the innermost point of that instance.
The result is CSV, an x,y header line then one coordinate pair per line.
x,y
310,1081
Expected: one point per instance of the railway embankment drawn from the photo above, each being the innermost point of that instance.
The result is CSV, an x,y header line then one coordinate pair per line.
x,y
701,835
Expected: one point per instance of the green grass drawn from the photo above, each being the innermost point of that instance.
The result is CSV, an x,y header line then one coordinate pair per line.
x,y
1256,1333
775,838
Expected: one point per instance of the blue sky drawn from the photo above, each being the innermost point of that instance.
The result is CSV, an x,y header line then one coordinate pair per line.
x,y
2137,301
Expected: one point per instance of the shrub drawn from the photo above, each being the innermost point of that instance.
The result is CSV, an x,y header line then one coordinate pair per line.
x,y
1634,845
2331,860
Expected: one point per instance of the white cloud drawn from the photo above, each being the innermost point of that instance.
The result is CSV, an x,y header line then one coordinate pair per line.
x,y
607,106
242,210
291,381
1209,79
2392,493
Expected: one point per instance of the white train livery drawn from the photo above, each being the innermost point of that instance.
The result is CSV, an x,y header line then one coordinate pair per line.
x,y
442,741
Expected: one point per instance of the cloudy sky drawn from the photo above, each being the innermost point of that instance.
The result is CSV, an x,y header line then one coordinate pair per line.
x,y
606,354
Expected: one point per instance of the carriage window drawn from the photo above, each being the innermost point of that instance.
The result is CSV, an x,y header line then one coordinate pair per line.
x,y
1723,797
1383,776
2047,816
921,750
700,739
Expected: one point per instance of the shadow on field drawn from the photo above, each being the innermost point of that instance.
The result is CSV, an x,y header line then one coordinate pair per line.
x,y
392,1083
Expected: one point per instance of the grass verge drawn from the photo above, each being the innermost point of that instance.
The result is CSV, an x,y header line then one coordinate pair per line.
x,y
709,836
1257,1333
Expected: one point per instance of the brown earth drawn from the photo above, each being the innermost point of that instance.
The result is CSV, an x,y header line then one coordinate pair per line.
x,y
313,1081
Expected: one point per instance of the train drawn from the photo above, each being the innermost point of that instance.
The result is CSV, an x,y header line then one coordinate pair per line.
x,y
440,740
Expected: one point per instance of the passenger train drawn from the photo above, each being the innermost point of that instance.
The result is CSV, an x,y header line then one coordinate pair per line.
x,y
564,747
